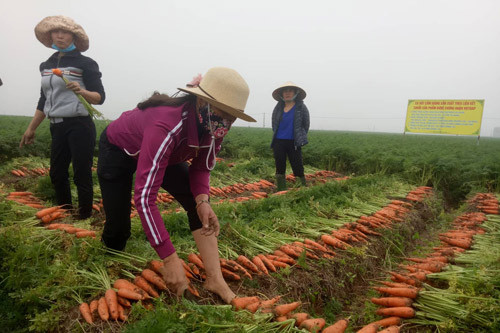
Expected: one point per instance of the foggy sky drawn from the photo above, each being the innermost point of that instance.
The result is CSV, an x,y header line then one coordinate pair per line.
x,y
359,61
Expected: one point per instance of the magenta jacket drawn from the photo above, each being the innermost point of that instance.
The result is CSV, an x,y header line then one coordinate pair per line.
x,y
158,137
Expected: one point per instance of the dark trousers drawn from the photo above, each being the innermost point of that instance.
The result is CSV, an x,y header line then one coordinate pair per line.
x,y
282,149
73,140
115,170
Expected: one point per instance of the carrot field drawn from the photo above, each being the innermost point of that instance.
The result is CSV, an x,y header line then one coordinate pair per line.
x,y
394,233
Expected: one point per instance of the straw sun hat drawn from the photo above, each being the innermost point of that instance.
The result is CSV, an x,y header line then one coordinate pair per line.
x,y
277,93
225,89
43,29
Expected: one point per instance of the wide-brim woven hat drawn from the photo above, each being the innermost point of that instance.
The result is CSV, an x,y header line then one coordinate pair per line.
x,y
277,93
225,89
43,29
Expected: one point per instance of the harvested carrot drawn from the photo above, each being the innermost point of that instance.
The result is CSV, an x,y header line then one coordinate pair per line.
x,y
396,284
403,292
86,313
253,307
130,294
260,265
247,263
142,283
193,258
313,325
339,327
112,303
402,312
389,321
86,233
123,301
20,194
154,279
46,211
267,262
102,308
121,313
286,259
281,318
241,302
299,317
156,265
193,290
327,239
93,306
284,309
405,279
392,301
230,275
390,329
269,303
279,264
370,328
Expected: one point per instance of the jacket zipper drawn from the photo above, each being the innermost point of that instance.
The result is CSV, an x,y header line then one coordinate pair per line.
x,y
52,88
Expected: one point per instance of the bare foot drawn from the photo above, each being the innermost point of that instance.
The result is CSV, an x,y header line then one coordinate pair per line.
x,y
220,288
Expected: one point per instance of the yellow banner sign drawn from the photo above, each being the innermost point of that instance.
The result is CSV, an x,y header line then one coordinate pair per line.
x,y
461,117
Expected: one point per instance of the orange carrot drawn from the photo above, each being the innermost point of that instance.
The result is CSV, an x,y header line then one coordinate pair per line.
x,y
339,327
121,313
43,212
247,263
290,251
20,194
402,312
401,278
239,268
86,233
142,283
390,329
267,262
86,314
193,290
230,275
284,309
130,294
281,318
193,258
286,259
389,321
156,265
279,264
299,317
269,303
102,308
154,279
123,301
392,301
396,285
313,325
253,307
370,328
112,303
334,242
57,71
125,284
93,306
260,265
432,266
241,302
403,292
282,254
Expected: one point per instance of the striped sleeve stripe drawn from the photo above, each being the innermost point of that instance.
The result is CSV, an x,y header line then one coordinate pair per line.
x,y
150,180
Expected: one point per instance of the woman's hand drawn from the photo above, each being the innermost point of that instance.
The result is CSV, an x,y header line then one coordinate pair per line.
x,y
75,87
174,275
209,221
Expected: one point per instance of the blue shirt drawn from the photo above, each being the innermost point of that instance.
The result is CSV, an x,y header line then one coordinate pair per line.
x,y
285,128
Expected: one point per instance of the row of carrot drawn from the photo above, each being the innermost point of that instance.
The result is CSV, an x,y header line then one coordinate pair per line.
x,y
403,289
358,231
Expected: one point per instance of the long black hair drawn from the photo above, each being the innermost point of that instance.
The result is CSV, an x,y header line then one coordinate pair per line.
x,y
158,99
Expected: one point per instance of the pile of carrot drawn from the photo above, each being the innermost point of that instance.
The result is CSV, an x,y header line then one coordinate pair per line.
x,y
25,198
419,194
24,172
486,203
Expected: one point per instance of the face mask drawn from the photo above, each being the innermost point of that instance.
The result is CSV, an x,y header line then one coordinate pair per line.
x,y
68,49
212,123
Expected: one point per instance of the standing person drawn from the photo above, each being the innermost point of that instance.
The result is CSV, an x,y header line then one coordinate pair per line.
x,y
290,122
154,141
71,127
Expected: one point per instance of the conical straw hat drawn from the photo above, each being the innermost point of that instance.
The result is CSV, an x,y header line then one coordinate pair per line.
x,y
43,29
277,92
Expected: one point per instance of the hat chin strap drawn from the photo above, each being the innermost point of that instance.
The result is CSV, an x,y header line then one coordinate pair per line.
x,y
212,143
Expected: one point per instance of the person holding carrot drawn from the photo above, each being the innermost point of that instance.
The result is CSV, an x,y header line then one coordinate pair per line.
x,y
155,140
71,127
290,123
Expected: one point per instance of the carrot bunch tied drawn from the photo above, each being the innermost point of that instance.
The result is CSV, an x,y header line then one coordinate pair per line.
x,y
91,110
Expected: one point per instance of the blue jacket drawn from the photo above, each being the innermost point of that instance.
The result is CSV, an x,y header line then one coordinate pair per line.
x,y
300,122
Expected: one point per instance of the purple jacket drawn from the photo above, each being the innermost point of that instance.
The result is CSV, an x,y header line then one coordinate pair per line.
x,y
158,137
